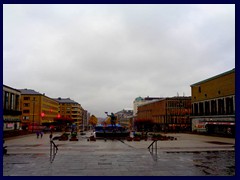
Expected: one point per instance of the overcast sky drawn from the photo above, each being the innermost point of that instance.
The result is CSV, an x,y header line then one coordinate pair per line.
x,y
104,56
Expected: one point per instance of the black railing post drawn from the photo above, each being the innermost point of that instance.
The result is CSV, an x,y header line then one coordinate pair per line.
x,y
156,147
150,148
53,150
50,150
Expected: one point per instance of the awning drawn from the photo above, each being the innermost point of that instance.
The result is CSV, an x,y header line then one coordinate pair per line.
x,y
221,123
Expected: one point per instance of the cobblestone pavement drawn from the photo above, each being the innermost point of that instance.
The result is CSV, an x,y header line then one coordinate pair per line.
x,y
189,155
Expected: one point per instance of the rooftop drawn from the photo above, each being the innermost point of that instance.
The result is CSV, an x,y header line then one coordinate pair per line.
x,y
214,77
29,91
65,100
11,88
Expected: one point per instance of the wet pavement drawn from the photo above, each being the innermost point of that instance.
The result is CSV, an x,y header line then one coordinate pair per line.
x,y
189,155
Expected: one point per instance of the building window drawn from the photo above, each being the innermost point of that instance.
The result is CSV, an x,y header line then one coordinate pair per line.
x,y
26,98
213,107
25,117
12,101
207,108
26,111
195,109
199,89
26,104
229,105
17,102
220,106
6,100
201,111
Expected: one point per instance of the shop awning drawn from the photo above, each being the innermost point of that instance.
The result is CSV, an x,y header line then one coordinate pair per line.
x,y
221,123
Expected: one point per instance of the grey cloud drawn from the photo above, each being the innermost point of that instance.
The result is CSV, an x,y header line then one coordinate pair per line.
x,y
103,56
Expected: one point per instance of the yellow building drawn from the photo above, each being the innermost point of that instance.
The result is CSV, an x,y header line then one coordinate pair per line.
x,y
37,109
213,104
71,110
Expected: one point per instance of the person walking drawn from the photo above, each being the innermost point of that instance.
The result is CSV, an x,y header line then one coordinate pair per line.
x,y
37,134
41,134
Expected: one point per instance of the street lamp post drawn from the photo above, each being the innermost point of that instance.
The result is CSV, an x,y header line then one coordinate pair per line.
x,y
33,113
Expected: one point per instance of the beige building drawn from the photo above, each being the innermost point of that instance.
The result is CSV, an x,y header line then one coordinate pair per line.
x,y
125,118
11,108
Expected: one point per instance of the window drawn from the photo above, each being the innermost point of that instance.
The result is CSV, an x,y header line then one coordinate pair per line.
x,y
25,117
26,111
195,108
12,101
26,104
220,106
207,108
229,105
6,100
17,102
199,89
26,98
213,107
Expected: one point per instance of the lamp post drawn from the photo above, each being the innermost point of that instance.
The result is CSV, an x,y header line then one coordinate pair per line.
x,y
33,113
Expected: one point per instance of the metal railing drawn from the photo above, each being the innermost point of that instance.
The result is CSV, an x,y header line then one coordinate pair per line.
x,y
53,150
150,148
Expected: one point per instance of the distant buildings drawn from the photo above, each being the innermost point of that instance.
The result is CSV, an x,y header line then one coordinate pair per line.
x,y
213,104
211,108
125,117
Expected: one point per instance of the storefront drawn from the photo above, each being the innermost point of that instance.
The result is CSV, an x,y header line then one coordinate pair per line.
x,y
11,123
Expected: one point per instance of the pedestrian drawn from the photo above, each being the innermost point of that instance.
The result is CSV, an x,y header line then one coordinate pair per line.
x,y
41,134
37,134
51,135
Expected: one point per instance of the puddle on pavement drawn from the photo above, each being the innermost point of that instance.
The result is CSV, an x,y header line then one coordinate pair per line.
x,y
219,143
212,163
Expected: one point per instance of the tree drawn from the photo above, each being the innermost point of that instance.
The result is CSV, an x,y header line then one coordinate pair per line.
x,y
108,121
93,120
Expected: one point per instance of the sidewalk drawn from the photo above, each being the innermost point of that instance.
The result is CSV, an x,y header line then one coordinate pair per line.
x,y
29,156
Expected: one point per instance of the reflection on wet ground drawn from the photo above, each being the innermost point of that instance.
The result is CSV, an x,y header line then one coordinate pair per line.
x,y
216,163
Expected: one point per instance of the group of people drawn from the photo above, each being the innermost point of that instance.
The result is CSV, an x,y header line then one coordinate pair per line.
x,y
39,134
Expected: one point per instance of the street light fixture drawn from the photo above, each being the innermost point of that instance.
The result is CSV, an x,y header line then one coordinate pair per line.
x,y
33,113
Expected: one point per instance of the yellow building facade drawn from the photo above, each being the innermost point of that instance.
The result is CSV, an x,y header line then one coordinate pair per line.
x,y
71,110
213,103
37,109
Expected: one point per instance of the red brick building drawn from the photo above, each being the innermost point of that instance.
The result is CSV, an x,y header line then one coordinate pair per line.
x,y
167,114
